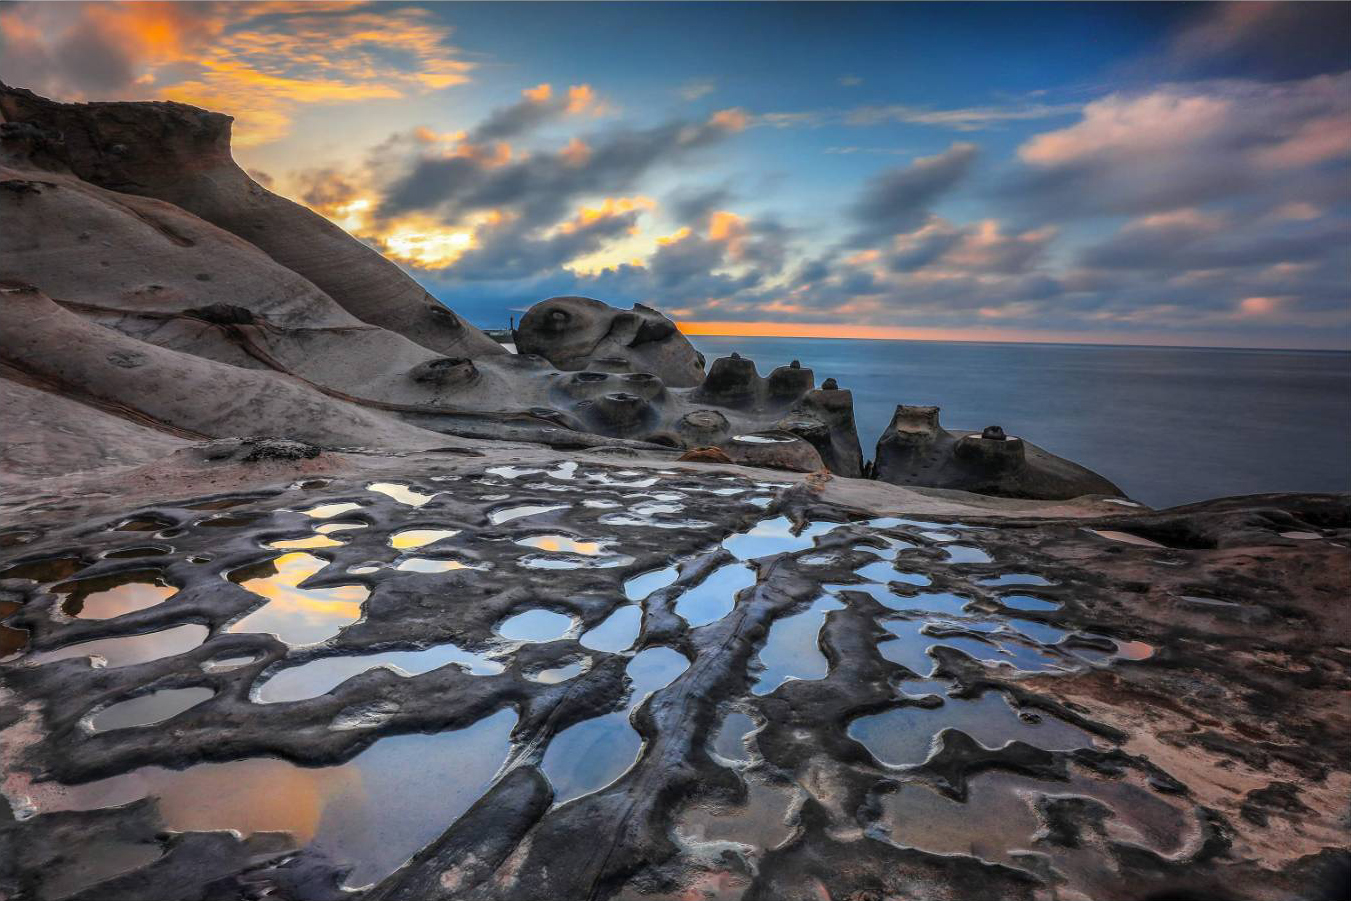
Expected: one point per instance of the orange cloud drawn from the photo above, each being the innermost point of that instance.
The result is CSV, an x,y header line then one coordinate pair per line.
x,y
540,93
733,119
257,61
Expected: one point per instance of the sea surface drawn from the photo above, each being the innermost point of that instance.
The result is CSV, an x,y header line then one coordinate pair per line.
x,y
1169,425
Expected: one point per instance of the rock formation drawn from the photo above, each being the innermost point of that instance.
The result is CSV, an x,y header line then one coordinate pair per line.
x,y
583,333
181,155
916,450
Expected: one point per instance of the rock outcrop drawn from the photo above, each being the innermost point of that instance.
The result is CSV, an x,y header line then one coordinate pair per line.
x,y
916,450
181,154
576,333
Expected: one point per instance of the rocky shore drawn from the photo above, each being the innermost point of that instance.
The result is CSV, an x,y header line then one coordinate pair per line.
x,y
310,590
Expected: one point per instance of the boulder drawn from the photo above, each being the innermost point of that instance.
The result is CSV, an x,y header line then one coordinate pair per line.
x,y
583,333
916,450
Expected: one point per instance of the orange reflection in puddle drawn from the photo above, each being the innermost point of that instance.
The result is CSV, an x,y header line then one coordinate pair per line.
x,y
108,596
297,615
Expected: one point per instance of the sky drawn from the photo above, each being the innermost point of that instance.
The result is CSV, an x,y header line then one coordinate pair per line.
x,y
1153,173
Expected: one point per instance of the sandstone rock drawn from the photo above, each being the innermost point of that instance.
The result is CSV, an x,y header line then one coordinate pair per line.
x,y
916,450
181,154
582,333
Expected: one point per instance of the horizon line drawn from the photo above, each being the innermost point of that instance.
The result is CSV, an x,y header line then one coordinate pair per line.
x,y
852,332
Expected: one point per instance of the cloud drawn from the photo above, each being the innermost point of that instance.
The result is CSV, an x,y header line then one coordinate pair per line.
x,y
260,62
537,106
976,118
1187,144
542,186
1262,40
700,87
849,81
898,199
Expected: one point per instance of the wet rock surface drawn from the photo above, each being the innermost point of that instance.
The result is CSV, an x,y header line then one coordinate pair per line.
x,y
732,687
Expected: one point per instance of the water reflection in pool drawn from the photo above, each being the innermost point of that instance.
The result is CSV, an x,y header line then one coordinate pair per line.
x,y
792,650
317,677
374,811
714,598
596,752
107,596
154,707
129,649
297,615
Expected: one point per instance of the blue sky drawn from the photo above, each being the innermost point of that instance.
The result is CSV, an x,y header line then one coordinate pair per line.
x,y
1135,173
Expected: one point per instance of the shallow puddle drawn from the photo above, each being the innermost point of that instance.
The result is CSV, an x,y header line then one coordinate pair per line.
x,y
318,677
1039,631
155,707
998,819
618,632
563,544
409,539
554,675
229,521
569,550
328,511
906,735
762,822
404,494
11,640
939,537
774,536
1028,602
429,565
590,755
792,650
297,615
883,572
1016,579
1302,536
536,626
374,811
507,514
639,587
966,553
142,524
129,649
729,741
714,598
43,571
107,596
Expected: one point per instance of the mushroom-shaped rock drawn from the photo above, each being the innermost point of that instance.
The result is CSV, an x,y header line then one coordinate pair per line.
x,y
773,450
731,382
916,450
839,446
584,333
701,428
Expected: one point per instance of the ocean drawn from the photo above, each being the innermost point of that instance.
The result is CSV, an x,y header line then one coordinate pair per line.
x,y
1169,425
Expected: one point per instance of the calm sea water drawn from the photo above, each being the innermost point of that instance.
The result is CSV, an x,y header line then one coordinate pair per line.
x,y
1169,425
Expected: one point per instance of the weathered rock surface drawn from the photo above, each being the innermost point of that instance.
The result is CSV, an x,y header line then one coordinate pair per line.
x,y
916,450
576,333
874,710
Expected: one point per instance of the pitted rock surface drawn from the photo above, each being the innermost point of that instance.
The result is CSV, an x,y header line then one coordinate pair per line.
x,y
885,705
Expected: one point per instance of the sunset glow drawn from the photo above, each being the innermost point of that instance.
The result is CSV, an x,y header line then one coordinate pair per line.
x,y
1180,182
